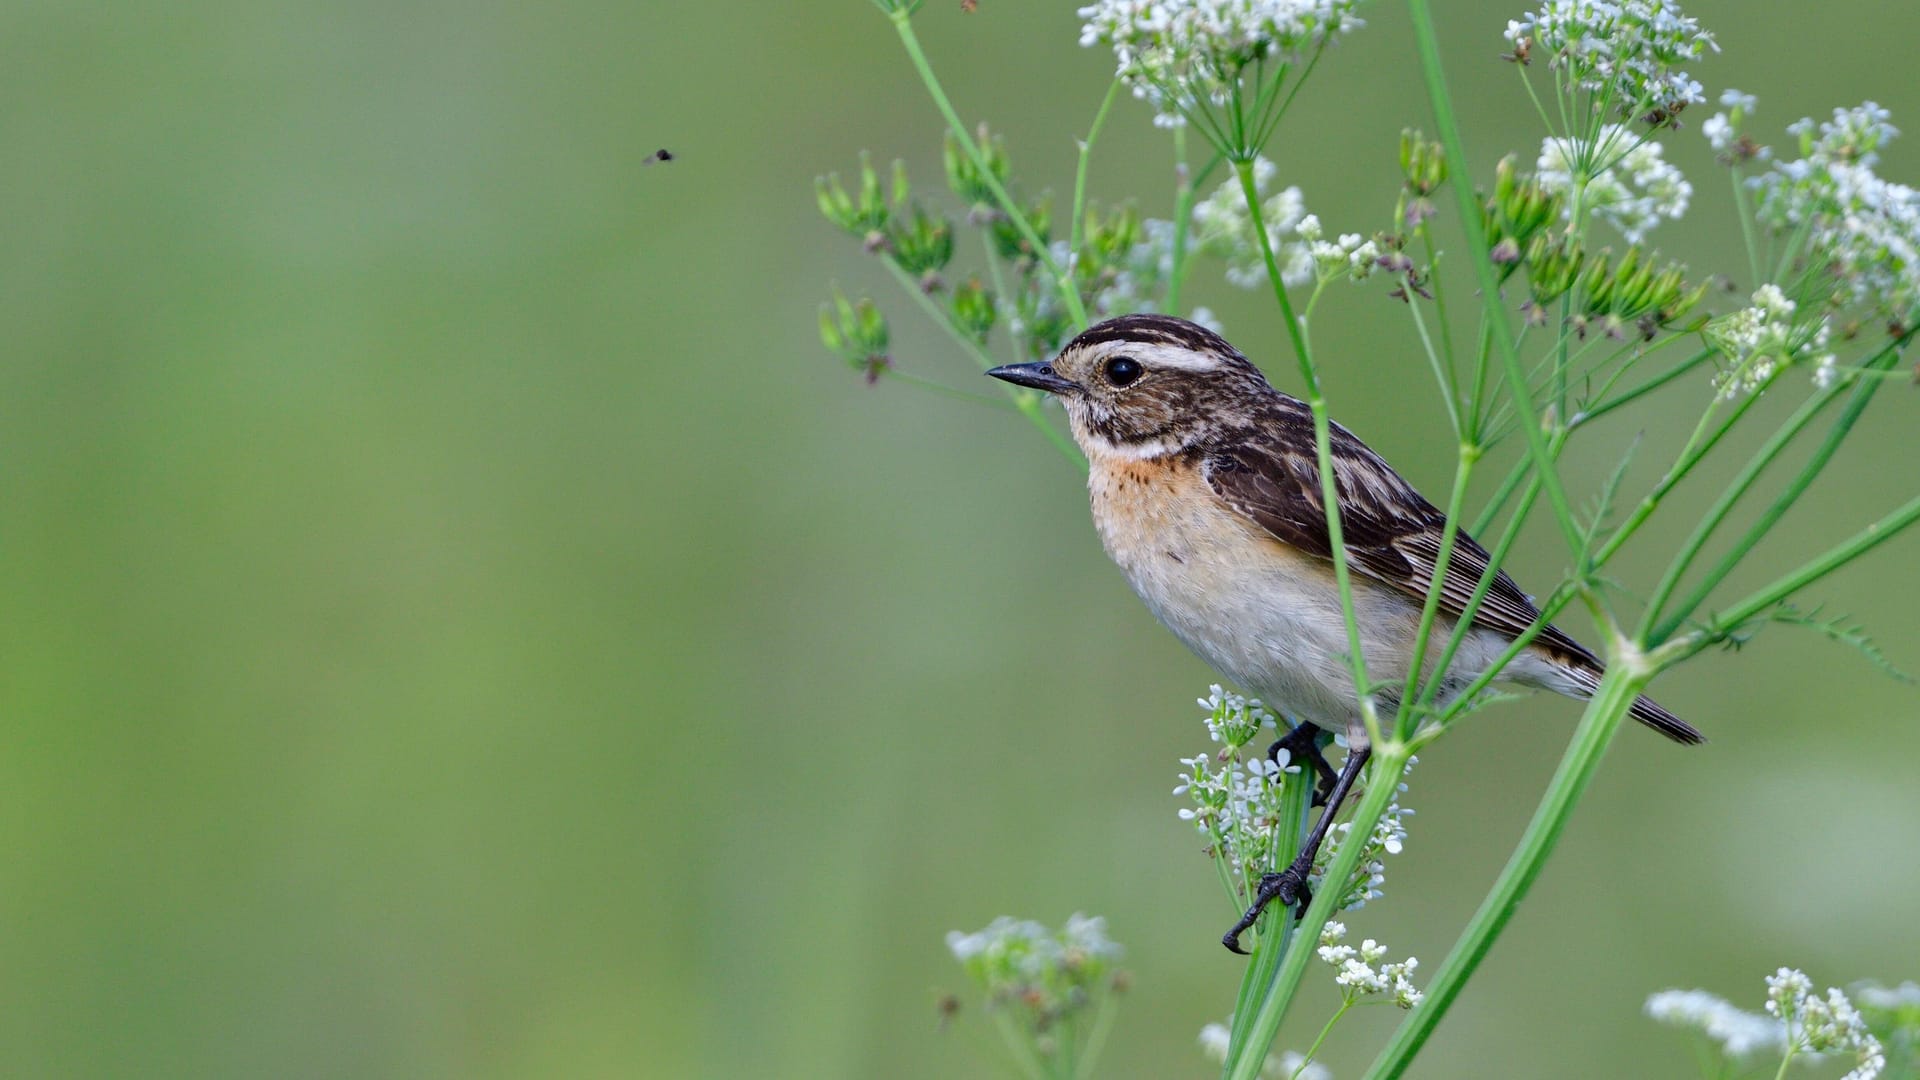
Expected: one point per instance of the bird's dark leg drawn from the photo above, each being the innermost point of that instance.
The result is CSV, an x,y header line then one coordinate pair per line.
x,y
1304,742
1290,884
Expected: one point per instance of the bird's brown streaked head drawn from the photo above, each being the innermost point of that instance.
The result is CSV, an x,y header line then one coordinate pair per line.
x,y
1146,385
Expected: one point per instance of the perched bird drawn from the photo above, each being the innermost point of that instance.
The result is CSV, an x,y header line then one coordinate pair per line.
x,y
1206,491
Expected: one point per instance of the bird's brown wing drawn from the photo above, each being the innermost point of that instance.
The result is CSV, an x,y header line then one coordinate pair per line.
x,y
1271,476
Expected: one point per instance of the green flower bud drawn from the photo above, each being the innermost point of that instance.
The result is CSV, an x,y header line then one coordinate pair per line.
x,y
974,309
868,214
1008,242
968,180
1423,163
858,332
922,245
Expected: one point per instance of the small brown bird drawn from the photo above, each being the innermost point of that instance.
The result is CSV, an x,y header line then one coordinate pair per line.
x,y
1206,491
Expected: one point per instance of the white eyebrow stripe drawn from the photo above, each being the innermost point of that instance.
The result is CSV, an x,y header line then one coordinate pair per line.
x,y
1170,356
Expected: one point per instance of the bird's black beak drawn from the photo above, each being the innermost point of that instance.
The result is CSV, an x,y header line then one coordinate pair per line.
x,y
1037,376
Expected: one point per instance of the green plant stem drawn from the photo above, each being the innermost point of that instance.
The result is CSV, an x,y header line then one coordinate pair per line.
x,y
1449,533
1069,294
1699,445
1598,724
1322,437
1080,170
1627,397
1274,932
1449,128
1863,393
1027,401
1389,764
1658,626
1314,1050
1859,544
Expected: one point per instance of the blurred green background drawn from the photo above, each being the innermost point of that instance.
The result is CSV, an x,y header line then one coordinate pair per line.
x,y
458,622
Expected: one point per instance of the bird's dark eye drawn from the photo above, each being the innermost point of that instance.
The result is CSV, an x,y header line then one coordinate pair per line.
x,y
1124,371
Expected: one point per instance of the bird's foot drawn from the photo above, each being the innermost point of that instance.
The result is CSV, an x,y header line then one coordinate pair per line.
x,y
1289,886
1304,742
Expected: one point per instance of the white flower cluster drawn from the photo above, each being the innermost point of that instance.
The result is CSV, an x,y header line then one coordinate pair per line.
x,y
1797,1022
1029,950
1357,975
1829,1025
1184,55
1626,53
1223,226
1388,838
1216,1040
1724,129
1631,192
1741,1034
1236,803
1761,339
1864,228
1352,254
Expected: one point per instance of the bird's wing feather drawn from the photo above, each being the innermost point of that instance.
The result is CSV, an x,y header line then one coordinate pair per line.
x,y
1271,476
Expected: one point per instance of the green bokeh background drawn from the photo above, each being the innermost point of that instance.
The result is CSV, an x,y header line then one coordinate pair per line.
x,y
459,623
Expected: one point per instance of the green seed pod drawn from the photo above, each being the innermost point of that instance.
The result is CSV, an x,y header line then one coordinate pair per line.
x,y
974,309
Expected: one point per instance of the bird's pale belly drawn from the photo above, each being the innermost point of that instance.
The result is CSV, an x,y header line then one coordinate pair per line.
x,y
1265,615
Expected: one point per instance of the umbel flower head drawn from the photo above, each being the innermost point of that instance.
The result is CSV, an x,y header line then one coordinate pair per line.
x,y
1235,796
1763,338
1185,55
1044,974
1632,191
1797,1023
1626,54
1223,226
1863,229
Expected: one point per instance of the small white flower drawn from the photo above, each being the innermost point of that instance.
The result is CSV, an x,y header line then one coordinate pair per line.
x,y
1627,52
1223,226
1740,1034
1183,56
1734,99
1624,180
1205,317
1357,975
1760,339
1215,1041
1864,229
1720,132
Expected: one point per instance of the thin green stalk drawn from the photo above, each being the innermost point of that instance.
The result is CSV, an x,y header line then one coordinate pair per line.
x,y
1859,544
1080,170
1027,401
1663,628
1598,724
1717,513
1746,224
1449,533
1023,1054
1322,437
1102,1026
1314,1050
1627,397
1182,213
1383,782
1069,294
1275,931
1699,445
1435,283
1442,372
1449,128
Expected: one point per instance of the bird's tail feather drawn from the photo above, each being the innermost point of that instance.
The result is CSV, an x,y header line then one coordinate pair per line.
x,y
1644,709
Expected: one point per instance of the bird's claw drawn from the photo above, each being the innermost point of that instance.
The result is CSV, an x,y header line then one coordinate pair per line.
x,y
1289,886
